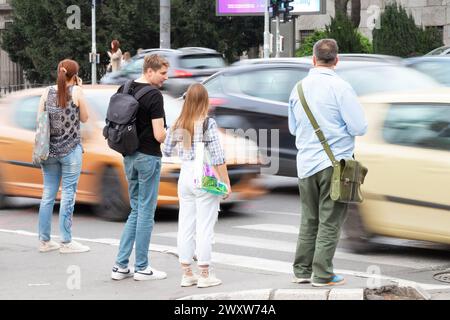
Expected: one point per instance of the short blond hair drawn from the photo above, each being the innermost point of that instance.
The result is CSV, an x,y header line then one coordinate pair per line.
x,y
155,62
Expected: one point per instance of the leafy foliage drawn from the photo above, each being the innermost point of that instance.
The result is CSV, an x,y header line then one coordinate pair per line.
x,y
39,38
398,34
349,39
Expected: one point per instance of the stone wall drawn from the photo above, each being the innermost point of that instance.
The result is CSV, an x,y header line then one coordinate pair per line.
x,y
11,74
425,13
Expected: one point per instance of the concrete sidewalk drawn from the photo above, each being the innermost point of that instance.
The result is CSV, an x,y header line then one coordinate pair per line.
x,y
28,274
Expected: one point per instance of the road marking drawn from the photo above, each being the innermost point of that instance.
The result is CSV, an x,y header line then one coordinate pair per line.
x,y
290,247
286,267
244,261
271,228
280,212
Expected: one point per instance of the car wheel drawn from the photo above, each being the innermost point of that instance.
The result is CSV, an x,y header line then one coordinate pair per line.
x,y
2,195
113,205
227,206
358,238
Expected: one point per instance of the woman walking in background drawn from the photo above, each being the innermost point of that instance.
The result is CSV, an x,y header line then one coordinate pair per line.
x,y
115,56
66,106
198,208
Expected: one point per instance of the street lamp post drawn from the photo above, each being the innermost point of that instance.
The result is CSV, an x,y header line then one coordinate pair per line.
x,y
266,31
164,24
93,55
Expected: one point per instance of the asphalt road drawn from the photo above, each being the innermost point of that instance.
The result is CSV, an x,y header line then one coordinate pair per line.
x,y
254,248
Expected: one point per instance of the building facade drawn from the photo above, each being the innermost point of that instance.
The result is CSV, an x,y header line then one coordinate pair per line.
x,y
11,74
426,13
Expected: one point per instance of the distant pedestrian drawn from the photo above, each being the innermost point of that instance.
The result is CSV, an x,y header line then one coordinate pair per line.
x,y
198,209
67,107
143,169
126,58
334,105
115,56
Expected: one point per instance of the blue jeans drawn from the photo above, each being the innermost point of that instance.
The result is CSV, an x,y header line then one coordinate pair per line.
x,y
67,169
143,172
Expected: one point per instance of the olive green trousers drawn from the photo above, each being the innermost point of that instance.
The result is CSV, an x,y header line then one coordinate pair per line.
x,y
320,228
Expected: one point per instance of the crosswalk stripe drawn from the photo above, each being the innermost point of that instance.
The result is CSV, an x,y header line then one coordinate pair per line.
x,y
286,267
289,247
280,213
271,228
244,261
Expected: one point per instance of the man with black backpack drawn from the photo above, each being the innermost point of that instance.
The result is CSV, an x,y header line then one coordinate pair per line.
x,y
136,128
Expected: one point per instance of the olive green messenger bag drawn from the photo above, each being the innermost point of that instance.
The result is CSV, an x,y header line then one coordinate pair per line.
x,y
348,174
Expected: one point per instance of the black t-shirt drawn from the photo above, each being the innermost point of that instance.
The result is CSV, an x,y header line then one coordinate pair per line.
x,y
151,106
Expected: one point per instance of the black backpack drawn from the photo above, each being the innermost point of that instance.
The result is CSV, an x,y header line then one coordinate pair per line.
x,y
120,130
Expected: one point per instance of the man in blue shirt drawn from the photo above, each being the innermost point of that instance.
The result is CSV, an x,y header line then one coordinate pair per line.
x,y
334,104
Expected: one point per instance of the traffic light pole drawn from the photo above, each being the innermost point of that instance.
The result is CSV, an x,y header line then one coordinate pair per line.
x,y
266,31
277,38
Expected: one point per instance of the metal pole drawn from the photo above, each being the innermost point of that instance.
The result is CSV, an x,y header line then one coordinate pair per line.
x,y
277,38
266,31
164,24
94,47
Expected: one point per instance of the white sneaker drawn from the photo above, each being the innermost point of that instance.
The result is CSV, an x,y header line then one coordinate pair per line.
x,y
209,281
46,246
73,247
187,281
149,274
301,280
118,273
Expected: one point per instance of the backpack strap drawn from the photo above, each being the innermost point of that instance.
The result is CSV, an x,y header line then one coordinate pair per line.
x,y
127,85
315,125
143,91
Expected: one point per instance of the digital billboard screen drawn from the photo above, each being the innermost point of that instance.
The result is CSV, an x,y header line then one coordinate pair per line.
x,y
257,7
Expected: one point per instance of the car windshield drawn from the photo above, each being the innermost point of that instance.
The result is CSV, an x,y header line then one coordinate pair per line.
x,y
202,61
439,70
386,78
99,100
134,66
437,51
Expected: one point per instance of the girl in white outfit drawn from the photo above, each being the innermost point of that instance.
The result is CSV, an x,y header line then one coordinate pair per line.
x,y
198,209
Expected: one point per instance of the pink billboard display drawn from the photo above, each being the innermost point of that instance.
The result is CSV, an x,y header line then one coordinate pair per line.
x,y
232,7
257,7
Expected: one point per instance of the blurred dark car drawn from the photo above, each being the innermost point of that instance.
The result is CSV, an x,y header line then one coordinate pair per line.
x,y
187,65
437,67
441,51
254,95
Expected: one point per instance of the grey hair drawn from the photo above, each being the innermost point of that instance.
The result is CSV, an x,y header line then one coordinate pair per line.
x,y
326,50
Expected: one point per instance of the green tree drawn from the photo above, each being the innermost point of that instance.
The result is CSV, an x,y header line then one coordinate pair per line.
x,y
349,39
400,36
38,37
194,23
306,47
342,30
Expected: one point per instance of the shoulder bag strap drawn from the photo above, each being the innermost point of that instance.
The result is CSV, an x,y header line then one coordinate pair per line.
x,y
315,125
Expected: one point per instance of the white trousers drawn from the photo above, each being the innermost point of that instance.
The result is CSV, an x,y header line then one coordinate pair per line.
x,y
196,219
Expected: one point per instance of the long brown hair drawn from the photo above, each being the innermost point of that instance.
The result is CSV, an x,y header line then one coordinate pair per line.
x,y
67,69
115,46
195,108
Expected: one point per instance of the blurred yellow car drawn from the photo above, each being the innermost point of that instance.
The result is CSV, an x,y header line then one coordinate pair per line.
x,y
407,152
102,182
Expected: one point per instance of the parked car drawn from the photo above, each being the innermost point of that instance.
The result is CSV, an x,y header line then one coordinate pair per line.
x,y
187,65
255,95
441,51
437,67
407,152
102,182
